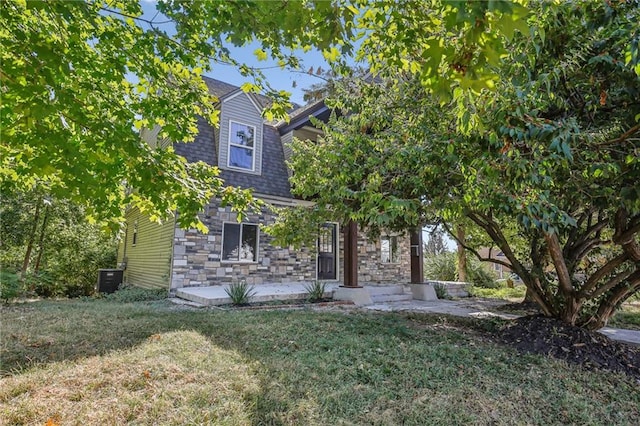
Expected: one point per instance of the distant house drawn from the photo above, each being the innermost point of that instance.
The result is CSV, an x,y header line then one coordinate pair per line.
x,y
501,271
250,153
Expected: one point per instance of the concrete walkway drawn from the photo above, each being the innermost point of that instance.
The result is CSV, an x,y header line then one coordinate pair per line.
x,y
483,308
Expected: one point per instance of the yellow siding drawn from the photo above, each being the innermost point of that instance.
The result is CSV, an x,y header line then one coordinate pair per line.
x,y
149,260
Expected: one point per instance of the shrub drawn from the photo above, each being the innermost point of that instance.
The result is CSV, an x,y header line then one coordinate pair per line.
x,y
43,284
441,267
240,293
444,267
480,276
10,286
441,291
499,293
316,290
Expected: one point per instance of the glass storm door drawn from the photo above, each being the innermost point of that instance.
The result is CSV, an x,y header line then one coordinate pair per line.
x,y
327,249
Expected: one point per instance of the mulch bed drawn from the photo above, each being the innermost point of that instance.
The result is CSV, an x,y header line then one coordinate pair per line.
x,y
594,351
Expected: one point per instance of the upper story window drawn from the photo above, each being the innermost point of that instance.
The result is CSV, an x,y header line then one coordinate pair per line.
x,y
241,146
389,250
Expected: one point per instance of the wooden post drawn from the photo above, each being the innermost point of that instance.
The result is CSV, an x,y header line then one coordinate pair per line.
x,y
351,254
462,256
417,274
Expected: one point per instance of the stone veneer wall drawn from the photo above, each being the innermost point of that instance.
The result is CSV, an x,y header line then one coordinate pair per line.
x,y
371,270
196,257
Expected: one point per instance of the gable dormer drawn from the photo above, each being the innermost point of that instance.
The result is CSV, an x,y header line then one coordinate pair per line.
x,y
240,143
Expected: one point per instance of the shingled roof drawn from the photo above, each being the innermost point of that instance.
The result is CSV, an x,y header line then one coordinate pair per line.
x,y
221,90
274,178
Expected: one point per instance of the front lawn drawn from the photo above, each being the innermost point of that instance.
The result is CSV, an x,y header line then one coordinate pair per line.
x,y
103,362
627,317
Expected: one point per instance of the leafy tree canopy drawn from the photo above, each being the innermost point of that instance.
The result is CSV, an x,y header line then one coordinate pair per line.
x,y
81,79
548,159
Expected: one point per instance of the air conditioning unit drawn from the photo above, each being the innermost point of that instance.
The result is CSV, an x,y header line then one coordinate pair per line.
x,y
109,280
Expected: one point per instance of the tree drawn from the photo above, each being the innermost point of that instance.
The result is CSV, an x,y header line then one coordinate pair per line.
x,y
434,244
52,246
81,79
549,159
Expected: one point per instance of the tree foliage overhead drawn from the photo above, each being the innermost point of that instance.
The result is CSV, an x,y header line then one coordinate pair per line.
x,y
80,79
548,158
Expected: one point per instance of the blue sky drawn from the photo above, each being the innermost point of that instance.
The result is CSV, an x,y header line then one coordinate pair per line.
x,y
278,78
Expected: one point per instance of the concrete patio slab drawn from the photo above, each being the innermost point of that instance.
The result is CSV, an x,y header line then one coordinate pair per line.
x,y
622,335
217,295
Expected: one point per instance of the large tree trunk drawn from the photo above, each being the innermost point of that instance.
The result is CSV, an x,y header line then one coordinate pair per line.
x,y
528,297
462,256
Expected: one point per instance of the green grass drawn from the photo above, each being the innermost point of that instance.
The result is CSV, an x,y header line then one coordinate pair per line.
x,y
627,317
518,292
102,362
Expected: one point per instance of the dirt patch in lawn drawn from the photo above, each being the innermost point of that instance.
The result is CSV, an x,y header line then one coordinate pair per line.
x,y
520,308
547,336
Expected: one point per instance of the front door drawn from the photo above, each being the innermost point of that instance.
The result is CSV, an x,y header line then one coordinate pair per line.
x,y
327,249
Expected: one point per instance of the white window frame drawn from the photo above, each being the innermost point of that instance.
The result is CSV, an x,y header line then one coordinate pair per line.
x,y
253,148
389,238
255,255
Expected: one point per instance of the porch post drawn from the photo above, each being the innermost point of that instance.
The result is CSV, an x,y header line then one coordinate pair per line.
x,y
417,275
351,254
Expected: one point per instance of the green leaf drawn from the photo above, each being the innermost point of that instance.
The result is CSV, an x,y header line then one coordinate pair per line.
x,y
260,54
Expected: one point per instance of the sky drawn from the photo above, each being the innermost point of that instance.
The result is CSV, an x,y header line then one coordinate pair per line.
x,y
278,78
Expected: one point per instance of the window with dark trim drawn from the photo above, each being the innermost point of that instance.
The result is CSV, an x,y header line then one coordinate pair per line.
x,y
134,236
239,242
241,146
389,249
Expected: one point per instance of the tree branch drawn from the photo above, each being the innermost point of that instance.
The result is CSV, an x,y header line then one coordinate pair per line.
x,y
474,251
530,281
624,136
611,284
608,305
624,236
564,279
608,268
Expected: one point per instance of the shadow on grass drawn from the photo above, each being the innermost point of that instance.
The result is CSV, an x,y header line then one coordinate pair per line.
x,y
328,368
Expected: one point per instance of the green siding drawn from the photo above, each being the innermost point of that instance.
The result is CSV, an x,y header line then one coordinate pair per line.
x,y
149,260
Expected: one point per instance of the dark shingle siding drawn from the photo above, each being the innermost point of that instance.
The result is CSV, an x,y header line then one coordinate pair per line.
x,y
202,148
219,88
274,178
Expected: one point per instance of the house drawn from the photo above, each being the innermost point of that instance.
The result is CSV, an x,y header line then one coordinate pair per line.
x,y
251,153
501,271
